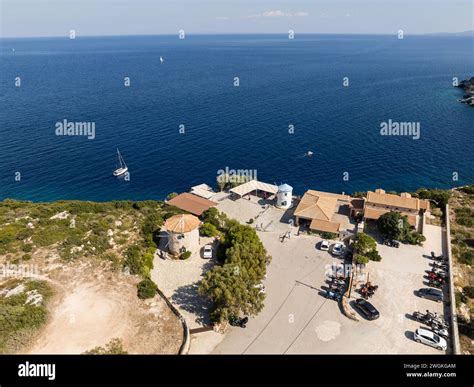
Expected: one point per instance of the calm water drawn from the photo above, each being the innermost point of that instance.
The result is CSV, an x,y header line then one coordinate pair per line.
x,y
282,82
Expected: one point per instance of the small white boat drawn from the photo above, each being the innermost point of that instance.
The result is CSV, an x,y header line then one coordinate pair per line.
x,y
123,167
161,59
309,153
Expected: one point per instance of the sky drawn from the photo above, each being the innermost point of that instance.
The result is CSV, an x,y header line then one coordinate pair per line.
x,y
35,18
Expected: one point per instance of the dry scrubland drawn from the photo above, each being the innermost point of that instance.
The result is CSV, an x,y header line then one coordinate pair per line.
x,y
462,239
75,295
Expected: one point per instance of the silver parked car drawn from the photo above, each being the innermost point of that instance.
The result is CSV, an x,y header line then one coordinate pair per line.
x,y
207,252
337,249
430,338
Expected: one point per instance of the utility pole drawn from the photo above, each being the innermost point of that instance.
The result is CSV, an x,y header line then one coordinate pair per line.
x,y
351,281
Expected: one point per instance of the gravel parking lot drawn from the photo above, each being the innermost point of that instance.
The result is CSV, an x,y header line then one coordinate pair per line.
x,y
297,319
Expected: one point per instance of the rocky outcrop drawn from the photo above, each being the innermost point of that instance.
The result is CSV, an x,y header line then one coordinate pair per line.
x,y
468,86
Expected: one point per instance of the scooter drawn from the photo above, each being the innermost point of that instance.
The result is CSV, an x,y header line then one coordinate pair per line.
x,y
238,322
435,284
443,332
436,276
440,265
339,282
332,295
439,323
421,317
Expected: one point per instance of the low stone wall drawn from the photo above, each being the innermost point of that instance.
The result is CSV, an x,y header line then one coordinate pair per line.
x,y
185,344
346,311
452,299
344,301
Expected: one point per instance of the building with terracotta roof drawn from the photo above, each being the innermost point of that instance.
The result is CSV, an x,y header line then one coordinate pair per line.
x,y
324,212
380,202
183,233
191,203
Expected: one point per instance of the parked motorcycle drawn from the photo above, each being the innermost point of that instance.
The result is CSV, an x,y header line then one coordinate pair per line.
x,y
339,282
332,295
440,265
422,317
443,332
436,276
439,322
238,322
436,284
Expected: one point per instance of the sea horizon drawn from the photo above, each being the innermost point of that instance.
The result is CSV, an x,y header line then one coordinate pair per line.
x,y
459,34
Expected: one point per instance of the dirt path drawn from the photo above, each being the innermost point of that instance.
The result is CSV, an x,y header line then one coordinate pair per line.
x,y
92,307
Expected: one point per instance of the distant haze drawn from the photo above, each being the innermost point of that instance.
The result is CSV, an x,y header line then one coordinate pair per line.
x,y
33,18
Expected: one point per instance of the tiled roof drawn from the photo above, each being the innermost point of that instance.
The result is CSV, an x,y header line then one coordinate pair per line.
x,y
191,203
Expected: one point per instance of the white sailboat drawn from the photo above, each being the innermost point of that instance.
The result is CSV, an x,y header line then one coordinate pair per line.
x,y
123,167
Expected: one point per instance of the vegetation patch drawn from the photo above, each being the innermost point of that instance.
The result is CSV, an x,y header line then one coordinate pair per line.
x,y
394,225
234,286
22,312
113,347
146,289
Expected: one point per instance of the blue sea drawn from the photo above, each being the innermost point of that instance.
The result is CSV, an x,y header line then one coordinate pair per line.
x,y
282,82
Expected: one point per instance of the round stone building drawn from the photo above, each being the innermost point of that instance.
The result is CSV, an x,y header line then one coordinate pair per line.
x,y
284,196
183,233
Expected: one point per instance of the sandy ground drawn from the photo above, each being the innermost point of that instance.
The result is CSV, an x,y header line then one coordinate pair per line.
x,y
92,306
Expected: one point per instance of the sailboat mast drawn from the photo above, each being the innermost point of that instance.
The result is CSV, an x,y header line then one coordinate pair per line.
x,y
120,158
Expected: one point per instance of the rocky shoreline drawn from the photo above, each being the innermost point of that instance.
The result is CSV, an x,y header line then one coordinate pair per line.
x,y
468,86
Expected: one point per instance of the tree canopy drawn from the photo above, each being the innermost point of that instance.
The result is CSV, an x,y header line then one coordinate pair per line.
x,y
365,248
233,287
392,224
364,243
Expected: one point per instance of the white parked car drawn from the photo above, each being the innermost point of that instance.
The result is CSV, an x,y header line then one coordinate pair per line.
x,y
207,253
324,246
430,338
337,249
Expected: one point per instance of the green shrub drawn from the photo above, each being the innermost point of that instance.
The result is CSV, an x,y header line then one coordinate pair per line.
x,y
172,195
26,257
146,289
469,291
114,347
413,238
26,247
467,221
459,299
374,255
463,211
363,243
362,260
138,262
8,234
328,235
468,189
467,257
439,196
208,229
150,228
185,255
24,234
133,260
111,257
18,318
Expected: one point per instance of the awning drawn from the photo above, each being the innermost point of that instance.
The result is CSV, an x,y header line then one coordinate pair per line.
x,y
253,185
